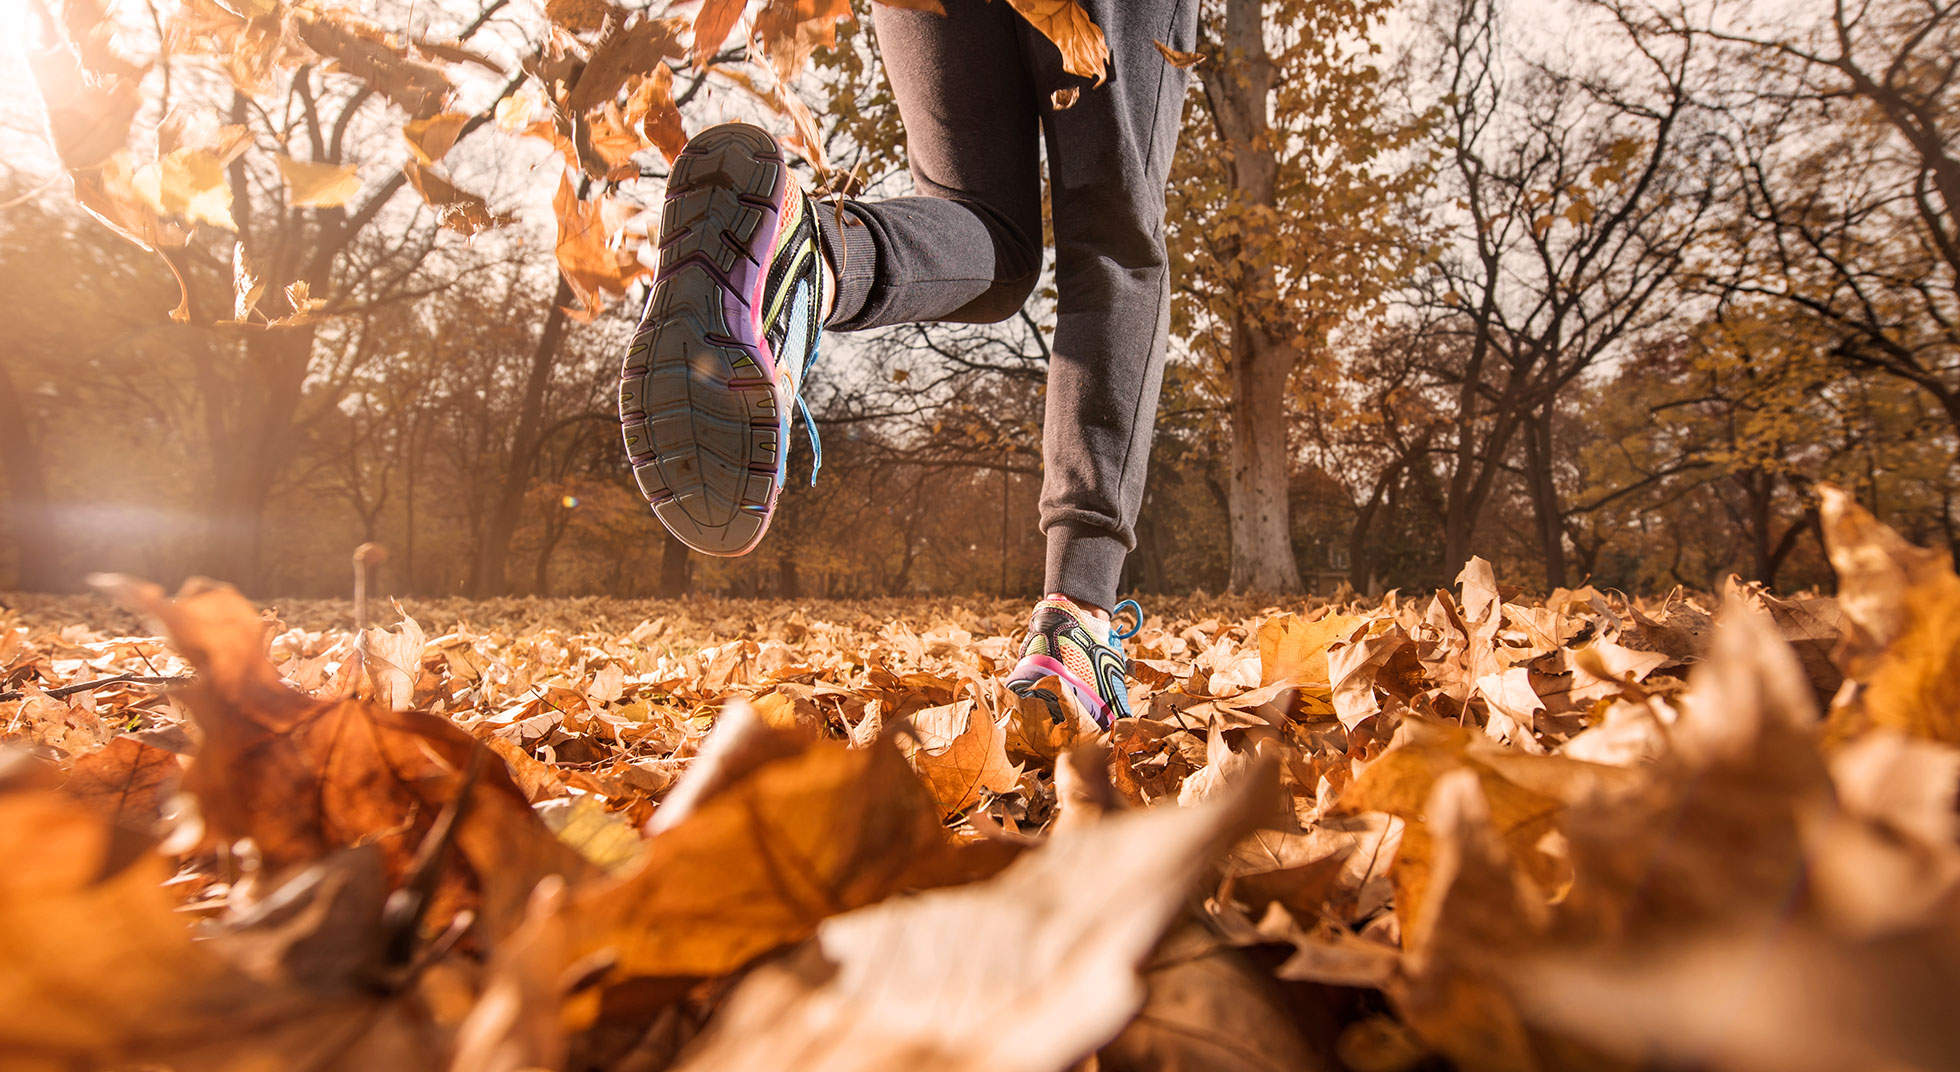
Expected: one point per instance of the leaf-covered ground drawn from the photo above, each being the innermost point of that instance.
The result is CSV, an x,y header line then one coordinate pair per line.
x,y
1462,828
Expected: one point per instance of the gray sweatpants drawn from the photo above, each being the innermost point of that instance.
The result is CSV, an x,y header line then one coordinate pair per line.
x,y
973,90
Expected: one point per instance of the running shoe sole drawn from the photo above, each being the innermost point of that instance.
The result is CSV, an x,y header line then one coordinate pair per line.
x,y
697,404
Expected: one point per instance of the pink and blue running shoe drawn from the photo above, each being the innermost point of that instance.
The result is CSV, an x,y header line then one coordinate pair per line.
x,y
1061,645
729,333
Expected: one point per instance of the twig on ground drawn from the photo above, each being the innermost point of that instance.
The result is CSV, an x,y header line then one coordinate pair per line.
x,y
119,679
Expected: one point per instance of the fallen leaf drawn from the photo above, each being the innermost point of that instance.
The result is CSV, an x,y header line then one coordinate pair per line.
x,y
760,863
960,754
1030,970
126,783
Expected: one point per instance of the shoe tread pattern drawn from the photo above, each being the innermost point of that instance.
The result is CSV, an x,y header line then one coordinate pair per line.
x,y
697,411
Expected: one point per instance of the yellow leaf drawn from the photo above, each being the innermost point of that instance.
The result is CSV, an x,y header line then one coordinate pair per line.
x,y
431,139
189,184
312,185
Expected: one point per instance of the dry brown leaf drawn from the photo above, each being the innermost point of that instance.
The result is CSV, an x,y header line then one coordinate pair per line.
x,y
431,139
712,25
1903,603
371,56
585,256
126,783
88,121
302,777
761,862
789,30
83,911
1208,1007
458,210
960,754
622,56
1178,59
651,107
584,16
311,185
1084,51
1027,971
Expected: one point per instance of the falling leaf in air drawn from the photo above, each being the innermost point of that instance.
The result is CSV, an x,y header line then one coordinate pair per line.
x,y
790,30
1084,50
431,139
586,257
1178,59
313,185
458,210
712,25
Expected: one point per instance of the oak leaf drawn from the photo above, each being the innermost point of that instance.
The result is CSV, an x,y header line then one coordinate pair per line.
x,y
960,754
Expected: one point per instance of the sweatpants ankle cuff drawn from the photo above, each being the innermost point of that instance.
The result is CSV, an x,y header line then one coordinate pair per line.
x,y
1084,563
852,251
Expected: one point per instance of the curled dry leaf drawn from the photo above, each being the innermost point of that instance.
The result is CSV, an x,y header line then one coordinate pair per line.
x,y
586,258
652,108
1063,99
458,210
431,139
1084,50
84,910
87,120
1904,606
302,777
1029,970
621,56
368,54
761,862
712,25
789,30
1178,59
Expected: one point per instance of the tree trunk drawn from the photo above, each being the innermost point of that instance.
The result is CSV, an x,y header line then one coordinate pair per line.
x,y
250,452
28,515
488,578
1262,535
1543,485
676,576
788,586
1238,89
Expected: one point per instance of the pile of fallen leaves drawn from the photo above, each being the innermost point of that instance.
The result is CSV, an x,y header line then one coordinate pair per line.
x,y
1588,831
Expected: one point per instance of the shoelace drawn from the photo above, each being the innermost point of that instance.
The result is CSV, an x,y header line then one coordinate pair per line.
x,y
816,350
1134,629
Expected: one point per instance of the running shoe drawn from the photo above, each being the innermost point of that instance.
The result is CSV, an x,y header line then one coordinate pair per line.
x,y
1061,645
730,332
